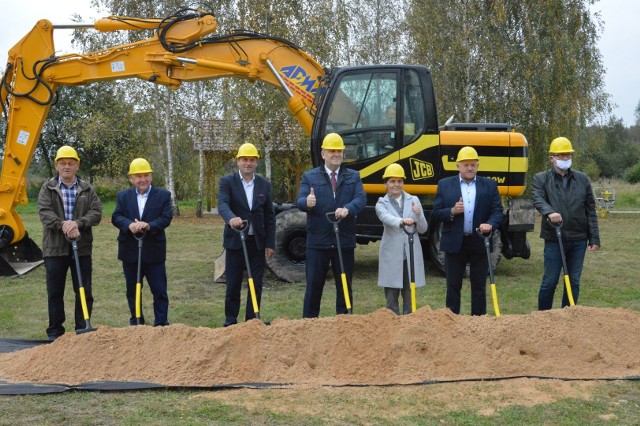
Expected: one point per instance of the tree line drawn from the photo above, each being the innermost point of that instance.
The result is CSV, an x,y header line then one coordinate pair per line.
x,y
534,65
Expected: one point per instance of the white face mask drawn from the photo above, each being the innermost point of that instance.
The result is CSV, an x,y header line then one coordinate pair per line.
x,y
563,164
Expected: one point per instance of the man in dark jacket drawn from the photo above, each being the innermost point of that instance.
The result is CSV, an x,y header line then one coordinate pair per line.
x,y
564,197
335,189
466,202
144,211
68,208
245,196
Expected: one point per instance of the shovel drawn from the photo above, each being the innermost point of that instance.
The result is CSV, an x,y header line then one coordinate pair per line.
x,y
138,279
252,288
343,276
567,282
410,235
83,298
494,292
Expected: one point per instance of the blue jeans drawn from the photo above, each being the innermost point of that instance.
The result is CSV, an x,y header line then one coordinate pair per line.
x,y
574,253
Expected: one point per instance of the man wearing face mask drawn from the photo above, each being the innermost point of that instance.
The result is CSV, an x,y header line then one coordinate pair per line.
x,y
564,196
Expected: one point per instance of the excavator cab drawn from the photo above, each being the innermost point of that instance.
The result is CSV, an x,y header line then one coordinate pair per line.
x,y
377,110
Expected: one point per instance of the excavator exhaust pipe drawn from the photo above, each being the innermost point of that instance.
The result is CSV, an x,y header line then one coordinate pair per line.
x,y
20,258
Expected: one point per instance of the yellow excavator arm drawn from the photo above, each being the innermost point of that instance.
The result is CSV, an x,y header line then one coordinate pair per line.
x,y
182,49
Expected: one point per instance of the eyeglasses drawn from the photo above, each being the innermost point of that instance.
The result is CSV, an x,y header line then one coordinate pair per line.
x,y
562,156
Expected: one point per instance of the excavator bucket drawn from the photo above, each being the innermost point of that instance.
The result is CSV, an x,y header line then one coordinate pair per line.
x,y
19,258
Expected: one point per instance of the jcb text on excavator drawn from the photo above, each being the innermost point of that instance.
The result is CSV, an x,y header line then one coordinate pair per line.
x,y
385,114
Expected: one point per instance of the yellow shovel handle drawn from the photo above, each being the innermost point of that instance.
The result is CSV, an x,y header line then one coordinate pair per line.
x,y
567,285
138,300
413,297
494,296
345,290
254,299
83,302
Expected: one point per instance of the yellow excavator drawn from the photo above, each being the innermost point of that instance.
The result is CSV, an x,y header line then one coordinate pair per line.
x,y
384,113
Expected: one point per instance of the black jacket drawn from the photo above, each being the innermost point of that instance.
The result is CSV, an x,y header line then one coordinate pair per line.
x,y
576,204
232,202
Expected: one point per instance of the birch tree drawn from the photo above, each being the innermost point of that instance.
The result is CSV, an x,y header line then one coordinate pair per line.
x,y
533,64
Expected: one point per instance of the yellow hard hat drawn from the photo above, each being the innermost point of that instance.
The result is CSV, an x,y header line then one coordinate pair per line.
x,y
66,152
139,166
332,141
561,145
394,170
247,150
467,153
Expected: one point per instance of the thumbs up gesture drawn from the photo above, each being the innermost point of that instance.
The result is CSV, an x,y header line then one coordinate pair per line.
x,y
458,208
311,199
415,207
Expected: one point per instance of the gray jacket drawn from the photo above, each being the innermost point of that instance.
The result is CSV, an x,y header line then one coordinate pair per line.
x,y
576,204
87,212
394,247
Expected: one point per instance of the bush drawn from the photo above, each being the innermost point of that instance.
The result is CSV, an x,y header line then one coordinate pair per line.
x,y
107,189
633,174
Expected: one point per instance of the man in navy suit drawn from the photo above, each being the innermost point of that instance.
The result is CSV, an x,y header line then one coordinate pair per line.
x,y
464,203
245,196
330,188
144,211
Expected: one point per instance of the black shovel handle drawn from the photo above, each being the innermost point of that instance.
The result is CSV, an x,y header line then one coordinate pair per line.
x,y
83,300
558,228
335,220
336,230
414,228
245,226
243,238
487,246
247,263
410,235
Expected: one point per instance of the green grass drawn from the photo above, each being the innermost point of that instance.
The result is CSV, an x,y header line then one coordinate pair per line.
x,y
609,280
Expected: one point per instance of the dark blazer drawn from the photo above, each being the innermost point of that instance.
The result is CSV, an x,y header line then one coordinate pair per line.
x,y
232,202
349,194
488,209
157,213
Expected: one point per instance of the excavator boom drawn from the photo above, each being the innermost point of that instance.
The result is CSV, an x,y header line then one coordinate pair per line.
x,y
181,50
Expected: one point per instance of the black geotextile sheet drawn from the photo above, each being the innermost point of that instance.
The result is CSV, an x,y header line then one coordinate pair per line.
x,y
11,345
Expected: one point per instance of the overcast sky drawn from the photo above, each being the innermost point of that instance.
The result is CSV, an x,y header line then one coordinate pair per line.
x,y
619,43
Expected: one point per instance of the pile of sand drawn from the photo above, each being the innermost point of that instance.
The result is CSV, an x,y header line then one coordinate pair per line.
x,y
378,348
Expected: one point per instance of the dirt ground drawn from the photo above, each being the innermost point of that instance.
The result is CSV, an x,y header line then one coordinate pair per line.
x,y
374,349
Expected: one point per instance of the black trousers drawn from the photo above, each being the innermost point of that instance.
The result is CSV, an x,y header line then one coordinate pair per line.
x,y
56,272
317,264
234,270
455,265
156,275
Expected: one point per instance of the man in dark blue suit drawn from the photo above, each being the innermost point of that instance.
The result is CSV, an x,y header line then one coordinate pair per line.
x,y
330,188
245,196
144,211
464,203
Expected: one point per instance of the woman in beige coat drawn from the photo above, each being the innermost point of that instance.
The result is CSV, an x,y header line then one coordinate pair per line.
x,y
394,209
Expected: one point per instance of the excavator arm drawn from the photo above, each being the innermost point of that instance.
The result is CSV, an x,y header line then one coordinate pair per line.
x,y
182,49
